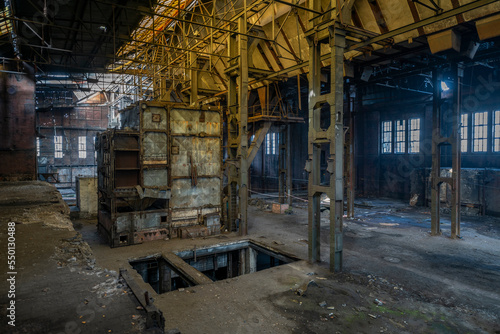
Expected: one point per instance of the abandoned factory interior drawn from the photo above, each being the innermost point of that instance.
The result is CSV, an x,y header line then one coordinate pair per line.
x,y
249,166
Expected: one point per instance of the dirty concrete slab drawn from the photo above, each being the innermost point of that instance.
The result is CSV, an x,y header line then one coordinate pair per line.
x,y
58,288
396,279
389,256
33,202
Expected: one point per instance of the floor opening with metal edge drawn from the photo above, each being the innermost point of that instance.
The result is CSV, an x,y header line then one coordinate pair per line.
x,y
171,271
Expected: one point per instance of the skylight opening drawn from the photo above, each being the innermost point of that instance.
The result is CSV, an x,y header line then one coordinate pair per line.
x,y
5,21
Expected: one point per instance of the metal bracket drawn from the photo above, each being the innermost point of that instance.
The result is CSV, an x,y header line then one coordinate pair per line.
x,y
331,166
308,166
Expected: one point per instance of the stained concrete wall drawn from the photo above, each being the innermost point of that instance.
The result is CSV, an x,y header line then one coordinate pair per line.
x,y
17,127
86,196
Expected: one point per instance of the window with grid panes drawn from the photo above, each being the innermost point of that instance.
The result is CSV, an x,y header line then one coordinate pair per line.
x,y
387,137
82,147
496,131
58,152
400,140
464,134
480,131
414,139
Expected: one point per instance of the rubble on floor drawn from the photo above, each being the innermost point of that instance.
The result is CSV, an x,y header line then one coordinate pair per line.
x,y
34,202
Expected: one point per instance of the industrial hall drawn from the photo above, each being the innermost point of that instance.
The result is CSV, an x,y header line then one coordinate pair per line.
x,y
249,166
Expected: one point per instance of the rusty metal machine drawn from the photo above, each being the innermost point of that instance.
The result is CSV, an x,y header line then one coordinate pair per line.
x,y
159,175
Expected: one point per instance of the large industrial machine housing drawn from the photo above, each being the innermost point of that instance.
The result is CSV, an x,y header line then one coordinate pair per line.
x,y
160,174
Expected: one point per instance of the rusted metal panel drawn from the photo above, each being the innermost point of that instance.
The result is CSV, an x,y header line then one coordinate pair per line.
x,y
195,163
153,117
188,217
195,122
207,192
163,175
202,152
154,148
155,178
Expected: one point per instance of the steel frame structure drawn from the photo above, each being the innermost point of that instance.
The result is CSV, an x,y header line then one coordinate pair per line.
x,y
180,42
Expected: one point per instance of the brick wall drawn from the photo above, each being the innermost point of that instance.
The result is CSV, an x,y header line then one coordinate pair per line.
x,y
17,127
70,123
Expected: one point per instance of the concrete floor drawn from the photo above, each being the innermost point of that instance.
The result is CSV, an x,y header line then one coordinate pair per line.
x,y
426,284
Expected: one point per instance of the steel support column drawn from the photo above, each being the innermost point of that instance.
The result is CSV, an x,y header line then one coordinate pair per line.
x,y
349,159
237,120
288,165
451,119
455,141
282,167
243,126
337,43
328,140
233,136
313,163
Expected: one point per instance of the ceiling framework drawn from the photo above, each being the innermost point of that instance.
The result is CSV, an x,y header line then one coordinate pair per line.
x,y
152,50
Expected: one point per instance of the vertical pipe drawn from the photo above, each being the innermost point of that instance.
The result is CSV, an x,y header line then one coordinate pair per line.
x,y
288,164
436,155
298,90
281,166
350,158
456,152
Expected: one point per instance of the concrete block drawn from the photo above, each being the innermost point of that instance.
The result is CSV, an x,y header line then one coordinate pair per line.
x,y
279,208
444,40
488,27
86,196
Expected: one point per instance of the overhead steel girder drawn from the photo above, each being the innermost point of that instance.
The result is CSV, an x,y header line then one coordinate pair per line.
x,y
390,34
